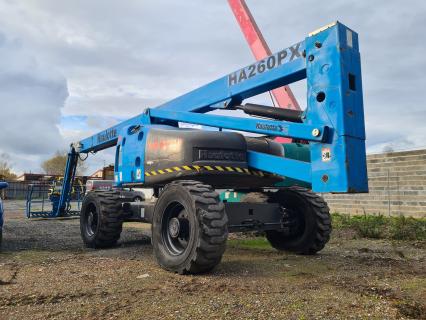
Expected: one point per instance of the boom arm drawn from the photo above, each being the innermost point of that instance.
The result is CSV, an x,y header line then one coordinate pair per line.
x,y
284,67
333,121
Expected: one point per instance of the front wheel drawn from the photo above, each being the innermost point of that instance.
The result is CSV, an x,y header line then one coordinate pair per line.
x,y
306,221
189,228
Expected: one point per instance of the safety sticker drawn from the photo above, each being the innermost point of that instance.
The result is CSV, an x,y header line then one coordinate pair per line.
x,y
326,154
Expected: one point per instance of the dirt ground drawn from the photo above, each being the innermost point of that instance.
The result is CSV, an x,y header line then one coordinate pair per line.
x,y
46,273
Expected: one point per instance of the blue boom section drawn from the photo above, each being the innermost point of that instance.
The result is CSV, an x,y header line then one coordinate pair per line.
x,y
333,122
60,207
284,67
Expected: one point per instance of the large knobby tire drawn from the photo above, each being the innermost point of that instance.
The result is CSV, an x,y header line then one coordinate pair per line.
x,y
189,228
100,219
307,221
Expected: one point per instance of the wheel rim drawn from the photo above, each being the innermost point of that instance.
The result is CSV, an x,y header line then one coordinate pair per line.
x,y
176,229
91,222
293,223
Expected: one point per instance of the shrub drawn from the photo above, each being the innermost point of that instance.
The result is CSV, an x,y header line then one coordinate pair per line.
x,y
407,228
379,226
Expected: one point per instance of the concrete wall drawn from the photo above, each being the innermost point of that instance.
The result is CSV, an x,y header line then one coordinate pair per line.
x,y
397,183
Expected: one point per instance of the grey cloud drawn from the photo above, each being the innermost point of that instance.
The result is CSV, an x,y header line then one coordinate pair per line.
x,y
31,96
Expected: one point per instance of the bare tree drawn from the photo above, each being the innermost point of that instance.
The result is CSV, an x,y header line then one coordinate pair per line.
x,y
56,164
6,171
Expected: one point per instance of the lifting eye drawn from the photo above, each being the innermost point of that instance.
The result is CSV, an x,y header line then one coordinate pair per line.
x,y
138,162
140,136
320,96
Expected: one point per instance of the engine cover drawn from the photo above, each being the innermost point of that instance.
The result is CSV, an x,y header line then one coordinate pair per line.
x,y
218,158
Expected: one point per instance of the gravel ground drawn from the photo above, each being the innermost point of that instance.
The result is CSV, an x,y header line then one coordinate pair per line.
x,y
46,273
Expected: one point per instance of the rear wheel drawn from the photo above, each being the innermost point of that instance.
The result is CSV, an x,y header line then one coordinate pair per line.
x,y
100,219
306,221
189,228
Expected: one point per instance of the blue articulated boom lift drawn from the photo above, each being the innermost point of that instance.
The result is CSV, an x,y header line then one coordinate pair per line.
x,y
185,166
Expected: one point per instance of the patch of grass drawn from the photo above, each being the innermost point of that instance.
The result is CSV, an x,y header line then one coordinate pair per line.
x,y
250,243
381,227
369,226
307,270
407,228
415,284
32,256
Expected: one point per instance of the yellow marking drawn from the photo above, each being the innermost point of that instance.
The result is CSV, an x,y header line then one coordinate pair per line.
x,y
209,168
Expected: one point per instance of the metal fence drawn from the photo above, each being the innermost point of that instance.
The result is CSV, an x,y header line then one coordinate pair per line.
x,y
17,190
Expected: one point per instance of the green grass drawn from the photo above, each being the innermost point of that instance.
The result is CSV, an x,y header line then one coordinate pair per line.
x,y
250,243
365,226
381,227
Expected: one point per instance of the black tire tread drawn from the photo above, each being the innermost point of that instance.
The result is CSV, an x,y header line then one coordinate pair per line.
x,y
322,220
213,223
111,219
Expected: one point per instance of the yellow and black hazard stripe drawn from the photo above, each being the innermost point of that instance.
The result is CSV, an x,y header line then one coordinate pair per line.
x,y
205,168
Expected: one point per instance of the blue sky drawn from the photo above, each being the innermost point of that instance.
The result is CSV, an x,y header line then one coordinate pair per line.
x,y
72,68
74,122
